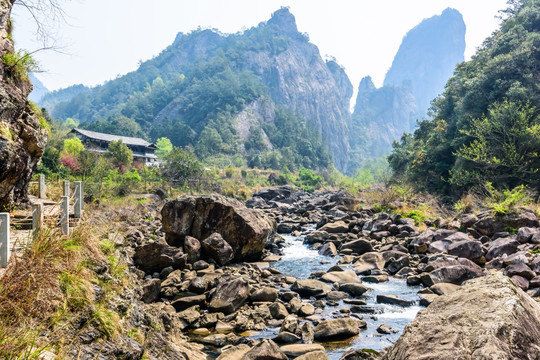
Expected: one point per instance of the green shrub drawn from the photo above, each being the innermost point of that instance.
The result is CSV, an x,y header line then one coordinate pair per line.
x,y
417,215
19,64
229,172
505,201
308,180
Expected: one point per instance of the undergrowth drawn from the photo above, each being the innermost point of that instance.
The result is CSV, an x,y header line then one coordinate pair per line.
x,y
51,284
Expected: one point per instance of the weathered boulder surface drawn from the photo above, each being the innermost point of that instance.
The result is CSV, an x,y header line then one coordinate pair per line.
x,y
154,257
22,136
487,318
229,296
341,277
267,350
245,230
338,328
218,249
311,287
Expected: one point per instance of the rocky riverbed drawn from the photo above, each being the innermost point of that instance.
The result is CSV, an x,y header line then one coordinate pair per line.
x,y
316,274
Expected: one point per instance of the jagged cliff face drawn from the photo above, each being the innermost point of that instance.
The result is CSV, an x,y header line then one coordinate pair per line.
x,y
301,80
392,109
297,78
22,140
428,55
380,116
424,62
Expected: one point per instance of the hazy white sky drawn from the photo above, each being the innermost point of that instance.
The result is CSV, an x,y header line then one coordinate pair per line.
x,y
107,38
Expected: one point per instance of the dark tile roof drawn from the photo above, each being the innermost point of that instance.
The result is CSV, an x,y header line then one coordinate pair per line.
x,y
108,138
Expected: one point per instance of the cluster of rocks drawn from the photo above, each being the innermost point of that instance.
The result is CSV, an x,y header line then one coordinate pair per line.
x,y
190,276
196,291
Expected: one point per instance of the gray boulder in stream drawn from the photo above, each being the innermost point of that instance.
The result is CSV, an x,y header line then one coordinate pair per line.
x,y
486,318
311,287
245,230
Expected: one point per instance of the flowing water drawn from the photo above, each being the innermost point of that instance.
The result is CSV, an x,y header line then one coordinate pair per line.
x,y
299,260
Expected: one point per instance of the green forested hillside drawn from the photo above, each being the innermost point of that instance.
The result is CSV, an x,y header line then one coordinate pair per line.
x,y
486,124
204,90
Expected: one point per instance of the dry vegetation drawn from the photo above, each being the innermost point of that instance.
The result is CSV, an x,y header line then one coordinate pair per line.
x,y
45,289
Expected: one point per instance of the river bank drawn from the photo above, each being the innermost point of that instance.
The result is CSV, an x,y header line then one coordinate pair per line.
x,y
331,279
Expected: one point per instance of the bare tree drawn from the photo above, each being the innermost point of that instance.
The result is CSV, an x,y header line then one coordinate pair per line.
x,y
47,15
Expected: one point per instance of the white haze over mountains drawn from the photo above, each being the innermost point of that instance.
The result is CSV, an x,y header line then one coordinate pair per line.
x,y
102,39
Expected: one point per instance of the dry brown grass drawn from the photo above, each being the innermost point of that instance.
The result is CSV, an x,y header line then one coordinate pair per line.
x,y
29,291
31,287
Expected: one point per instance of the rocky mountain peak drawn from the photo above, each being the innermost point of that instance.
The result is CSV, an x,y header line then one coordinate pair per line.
x,y
366,84
428,55
284,20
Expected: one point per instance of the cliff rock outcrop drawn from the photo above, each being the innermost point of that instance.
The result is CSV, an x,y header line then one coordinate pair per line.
x,y
428,55
22,137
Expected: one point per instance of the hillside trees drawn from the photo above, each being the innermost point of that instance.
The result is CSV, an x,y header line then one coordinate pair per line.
x,y
505,148
120,154
482,123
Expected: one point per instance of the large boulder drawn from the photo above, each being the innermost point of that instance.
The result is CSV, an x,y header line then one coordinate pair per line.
x,y
369,261
154,257
501,246
487,318
245,230
338,329
468,249
341,277
335,227
265,350
229,296
455,274
359,247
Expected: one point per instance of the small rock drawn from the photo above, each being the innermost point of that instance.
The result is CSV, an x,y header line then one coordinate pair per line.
x,y
393,300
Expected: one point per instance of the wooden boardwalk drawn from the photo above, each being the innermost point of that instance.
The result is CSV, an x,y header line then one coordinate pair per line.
x,y
21,222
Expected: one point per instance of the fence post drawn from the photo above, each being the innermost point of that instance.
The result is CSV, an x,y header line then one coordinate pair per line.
x,y
4,239
64,219
42,186
37,218
78,205
66,188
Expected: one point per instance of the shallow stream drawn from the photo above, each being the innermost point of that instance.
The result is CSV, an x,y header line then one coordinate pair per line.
x,y
299,261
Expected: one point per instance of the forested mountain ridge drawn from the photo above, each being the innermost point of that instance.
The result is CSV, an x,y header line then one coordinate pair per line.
x,y
195,90
486,124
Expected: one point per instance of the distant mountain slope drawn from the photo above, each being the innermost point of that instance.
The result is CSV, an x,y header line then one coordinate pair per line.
x,y
198,90
38,91
424,62
486,124
428,55
380,116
